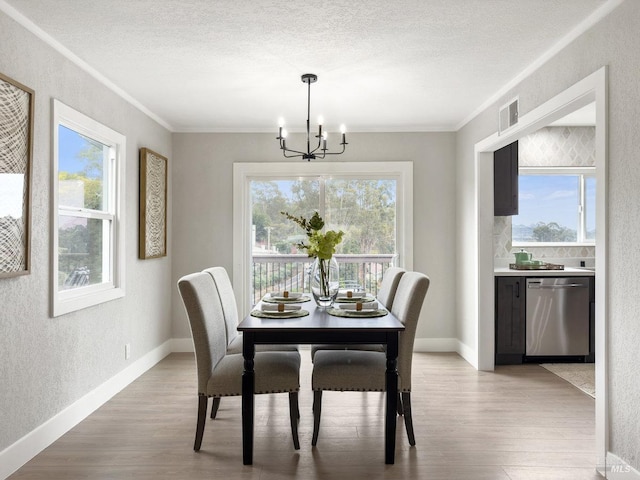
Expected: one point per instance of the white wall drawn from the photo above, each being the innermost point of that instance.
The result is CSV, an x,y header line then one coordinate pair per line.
x,y
613,42
47,363
202,207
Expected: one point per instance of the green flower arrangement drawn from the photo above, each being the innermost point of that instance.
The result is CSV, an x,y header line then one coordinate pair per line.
x,y
320,245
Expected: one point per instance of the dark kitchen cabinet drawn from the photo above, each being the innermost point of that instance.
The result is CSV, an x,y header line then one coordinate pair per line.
x,y
510,320
591,358
505,181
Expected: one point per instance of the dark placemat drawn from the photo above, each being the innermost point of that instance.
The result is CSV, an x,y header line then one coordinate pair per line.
x,y
341,312
292,314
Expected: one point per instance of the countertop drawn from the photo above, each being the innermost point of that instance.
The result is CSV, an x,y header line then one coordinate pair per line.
x,y
567,272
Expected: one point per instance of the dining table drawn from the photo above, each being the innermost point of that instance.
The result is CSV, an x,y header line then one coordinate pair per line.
x,y
319,327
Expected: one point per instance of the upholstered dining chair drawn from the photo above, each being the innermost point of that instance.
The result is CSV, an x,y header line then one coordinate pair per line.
x,y
364,371
386,294
220,373
389,286
231,319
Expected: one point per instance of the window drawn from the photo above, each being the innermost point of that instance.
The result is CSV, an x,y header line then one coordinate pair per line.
x,y
371,202
88,242
556,207
363,208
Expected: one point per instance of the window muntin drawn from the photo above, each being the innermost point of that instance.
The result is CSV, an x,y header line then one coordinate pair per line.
x,y
88,246
556,207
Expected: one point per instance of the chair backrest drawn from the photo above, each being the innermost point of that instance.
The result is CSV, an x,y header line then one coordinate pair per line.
x,y
206,319
389,285
407,304
228,300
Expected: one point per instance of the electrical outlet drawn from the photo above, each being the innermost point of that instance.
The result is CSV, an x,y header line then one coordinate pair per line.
x,y
127,351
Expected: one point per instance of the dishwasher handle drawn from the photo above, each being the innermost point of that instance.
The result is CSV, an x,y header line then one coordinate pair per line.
x,y
566,285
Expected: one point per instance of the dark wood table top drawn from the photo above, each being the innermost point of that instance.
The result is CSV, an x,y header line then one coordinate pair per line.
x,y
321,320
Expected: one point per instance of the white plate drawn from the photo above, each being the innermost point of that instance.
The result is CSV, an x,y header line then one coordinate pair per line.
x,y
279,296
276,313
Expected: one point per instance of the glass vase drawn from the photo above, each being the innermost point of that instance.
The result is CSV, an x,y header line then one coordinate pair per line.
x,y
324,281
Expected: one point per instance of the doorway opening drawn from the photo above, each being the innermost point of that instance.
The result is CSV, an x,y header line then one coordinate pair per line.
x,y
592,89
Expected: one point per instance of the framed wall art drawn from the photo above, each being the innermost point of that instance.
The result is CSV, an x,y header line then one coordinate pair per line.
x,y
16,149
153,204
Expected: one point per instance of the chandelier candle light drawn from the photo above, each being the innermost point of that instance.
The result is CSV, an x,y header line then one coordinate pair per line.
x,y
321,148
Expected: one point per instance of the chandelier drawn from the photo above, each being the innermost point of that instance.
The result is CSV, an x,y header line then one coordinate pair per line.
x,y
320,151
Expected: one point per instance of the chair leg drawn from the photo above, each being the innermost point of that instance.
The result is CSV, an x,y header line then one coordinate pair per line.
x,y
203,400
214,407
294,414
317,407
400,409
408,420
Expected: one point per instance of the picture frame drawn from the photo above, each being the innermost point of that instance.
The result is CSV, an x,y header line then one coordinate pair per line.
x,y
16,152
153,205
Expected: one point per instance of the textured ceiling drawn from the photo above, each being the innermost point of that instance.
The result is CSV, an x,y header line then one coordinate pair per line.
x,y
234,65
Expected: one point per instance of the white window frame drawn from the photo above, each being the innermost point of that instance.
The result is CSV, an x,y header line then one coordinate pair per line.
x,y
244,173
582,173
71,300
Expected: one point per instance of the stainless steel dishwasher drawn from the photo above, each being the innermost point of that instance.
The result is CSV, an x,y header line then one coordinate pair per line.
x,y
557,316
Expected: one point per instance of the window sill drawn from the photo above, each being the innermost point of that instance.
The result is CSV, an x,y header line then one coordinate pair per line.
x,y
552,244
81,301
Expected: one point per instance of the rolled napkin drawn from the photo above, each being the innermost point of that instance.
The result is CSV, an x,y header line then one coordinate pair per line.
x,y
278,307
359,306
350,294
286,294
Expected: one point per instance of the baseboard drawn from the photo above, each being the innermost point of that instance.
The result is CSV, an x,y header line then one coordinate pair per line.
x,y
617,469
468,353
434,345
419,345
182,345
16,455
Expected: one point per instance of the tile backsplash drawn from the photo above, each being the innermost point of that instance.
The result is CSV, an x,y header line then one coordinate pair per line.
x,y
558,147
550,146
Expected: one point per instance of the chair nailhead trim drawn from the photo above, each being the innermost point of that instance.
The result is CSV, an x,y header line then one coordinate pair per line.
x,y
227,394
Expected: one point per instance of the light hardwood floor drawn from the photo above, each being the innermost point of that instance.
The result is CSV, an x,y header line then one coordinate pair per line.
x,y
519,422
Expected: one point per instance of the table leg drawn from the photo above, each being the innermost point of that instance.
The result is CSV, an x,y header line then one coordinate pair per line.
x,y
392,398
248,389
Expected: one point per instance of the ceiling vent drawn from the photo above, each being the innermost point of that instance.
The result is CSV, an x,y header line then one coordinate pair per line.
x,y
508,115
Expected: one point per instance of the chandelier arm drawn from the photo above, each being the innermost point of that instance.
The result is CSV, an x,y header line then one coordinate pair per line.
x,y
294,151
287,149
316,149
319,142
337,153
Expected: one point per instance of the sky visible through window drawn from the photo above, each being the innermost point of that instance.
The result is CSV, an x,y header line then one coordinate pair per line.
x,y
548,198
70,144
552,199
